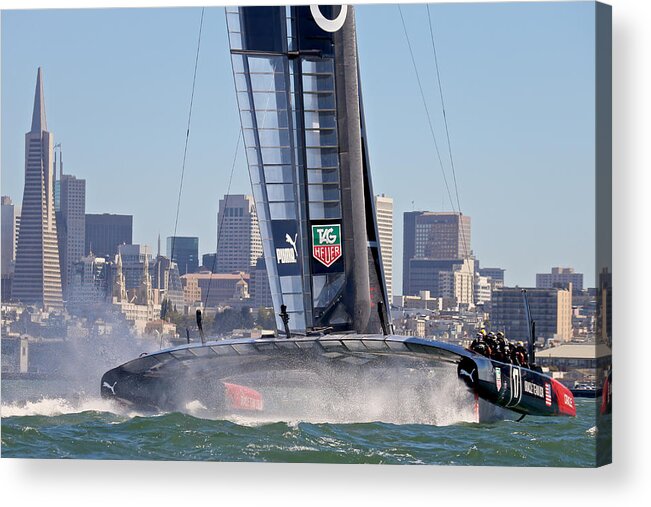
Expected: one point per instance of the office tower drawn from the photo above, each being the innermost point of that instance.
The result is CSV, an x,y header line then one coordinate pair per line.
x,y
185,252
88,282
105,232
133,259
37,276
433,236
8,245
384,220
560,276
551,309
239,243
209,261
261,291
71,225
166,280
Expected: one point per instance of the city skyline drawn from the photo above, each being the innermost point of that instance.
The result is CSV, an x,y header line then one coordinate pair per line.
x,y
122,183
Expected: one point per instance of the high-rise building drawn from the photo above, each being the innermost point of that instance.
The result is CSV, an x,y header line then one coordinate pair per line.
x,y
166,280
89,282
37,276
551,309
209,261
560,276
239,243
384,219
8,245
71,225
434,236
259,281
105,232
134,258
185,252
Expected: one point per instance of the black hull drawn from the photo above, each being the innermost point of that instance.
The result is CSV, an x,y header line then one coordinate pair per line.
x,y
346,364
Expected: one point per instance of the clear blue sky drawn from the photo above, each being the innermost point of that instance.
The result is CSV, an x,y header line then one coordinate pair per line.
x,y
518,81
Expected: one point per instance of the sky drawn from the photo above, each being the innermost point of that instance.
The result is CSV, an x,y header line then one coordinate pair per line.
x,y
517,80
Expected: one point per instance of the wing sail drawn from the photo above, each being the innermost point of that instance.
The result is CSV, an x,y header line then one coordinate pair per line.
x,y
298,93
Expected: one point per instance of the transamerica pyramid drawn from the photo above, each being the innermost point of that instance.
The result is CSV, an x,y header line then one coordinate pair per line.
x,y
37,276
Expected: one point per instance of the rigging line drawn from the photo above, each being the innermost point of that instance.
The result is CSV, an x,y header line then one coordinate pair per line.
x,y
447,131
429,119
221,223
187,136
445,118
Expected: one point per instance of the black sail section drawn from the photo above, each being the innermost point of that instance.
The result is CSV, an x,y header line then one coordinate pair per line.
x,y
298,91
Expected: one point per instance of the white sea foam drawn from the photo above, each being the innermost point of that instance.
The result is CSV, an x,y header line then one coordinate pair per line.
x,y
60,406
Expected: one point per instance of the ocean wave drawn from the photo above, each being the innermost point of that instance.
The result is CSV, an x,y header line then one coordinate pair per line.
x,y
50,407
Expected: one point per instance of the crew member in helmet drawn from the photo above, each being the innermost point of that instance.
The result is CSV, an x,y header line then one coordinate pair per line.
x,y
521,355
479,344
492,345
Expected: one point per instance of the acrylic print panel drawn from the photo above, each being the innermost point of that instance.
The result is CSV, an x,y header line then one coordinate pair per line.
x,y
349,234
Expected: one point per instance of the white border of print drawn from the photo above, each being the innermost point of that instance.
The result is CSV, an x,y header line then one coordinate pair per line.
x,y
76,482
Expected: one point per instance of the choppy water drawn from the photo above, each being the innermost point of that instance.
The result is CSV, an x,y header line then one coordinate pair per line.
x,y
91,428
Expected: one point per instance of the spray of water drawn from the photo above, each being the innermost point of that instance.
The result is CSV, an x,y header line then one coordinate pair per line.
x,y
318,391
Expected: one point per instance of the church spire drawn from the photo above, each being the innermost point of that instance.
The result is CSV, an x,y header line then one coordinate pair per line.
x,y
38,116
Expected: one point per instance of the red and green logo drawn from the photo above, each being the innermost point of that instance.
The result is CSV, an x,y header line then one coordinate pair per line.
x,y
326,243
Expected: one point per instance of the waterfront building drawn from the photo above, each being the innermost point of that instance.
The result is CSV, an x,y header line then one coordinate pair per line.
x,y
424,301
37,275
551,309
384,220
572,356
216,289
105,232
239,244
434,236
560,277
185,252
71,226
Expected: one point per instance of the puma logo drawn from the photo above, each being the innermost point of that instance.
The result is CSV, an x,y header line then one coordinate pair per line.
x,y
109,386
469,375
292,242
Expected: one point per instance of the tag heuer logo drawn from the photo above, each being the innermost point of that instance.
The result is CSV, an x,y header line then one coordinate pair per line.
x,y
326,243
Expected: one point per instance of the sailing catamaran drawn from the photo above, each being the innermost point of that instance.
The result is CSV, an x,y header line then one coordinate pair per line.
x,y
300,101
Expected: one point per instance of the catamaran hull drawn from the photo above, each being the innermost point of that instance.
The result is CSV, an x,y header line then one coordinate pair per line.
x,y
275,370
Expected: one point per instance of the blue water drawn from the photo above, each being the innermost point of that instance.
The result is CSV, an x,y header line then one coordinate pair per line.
x,y
91,428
